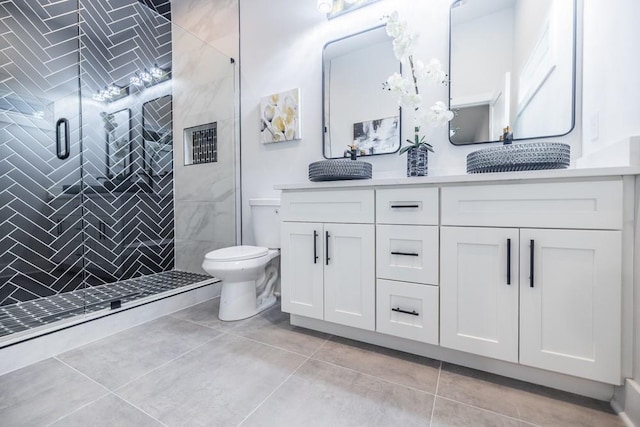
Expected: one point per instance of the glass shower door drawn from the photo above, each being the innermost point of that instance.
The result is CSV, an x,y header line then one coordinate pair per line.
x,y
41,222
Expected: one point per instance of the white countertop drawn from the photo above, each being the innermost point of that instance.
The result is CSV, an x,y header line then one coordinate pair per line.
x,y
554,174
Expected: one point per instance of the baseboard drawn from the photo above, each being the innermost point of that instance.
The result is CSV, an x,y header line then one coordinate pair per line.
x,y
627,403
86,330
589,388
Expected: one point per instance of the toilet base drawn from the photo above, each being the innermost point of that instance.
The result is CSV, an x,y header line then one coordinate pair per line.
x,y
238,301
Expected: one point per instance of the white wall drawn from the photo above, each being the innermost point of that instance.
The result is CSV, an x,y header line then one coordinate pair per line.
x,y
611,70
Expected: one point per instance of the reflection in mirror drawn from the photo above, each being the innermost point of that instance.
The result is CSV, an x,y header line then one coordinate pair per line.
x,y
340,7
355,108
512,64
157,136
118,143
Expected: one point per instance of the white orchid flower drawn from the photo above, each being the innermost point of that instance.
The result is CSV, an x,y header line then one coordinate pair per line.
x,y
431,72
406,89
437,115
395,27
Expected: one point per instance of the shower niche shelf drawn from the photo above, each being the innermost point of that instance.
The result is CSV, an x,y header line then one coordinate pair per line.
x,y
201,144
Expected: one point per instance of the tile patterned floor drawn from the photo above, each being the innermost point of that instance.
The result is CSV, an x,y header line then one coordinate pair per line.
x,y
42,311
189,368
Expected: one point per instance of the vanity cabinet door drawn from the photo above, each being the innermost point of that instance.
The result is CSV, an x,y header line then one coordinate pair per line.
x,y
479,291
349,275
302,262
570,302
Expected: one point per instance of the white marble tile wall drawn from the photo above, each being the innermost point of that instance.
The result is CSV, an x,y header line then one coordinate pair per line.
x,y
216,22
203,92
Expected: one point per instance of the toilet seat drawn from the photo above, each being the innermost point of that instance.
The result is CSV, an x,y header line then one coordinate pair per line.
x,y
236,253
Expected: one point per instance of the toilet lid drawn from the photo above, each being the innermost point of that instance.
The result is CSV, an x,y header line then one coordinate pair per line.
x,y
237,253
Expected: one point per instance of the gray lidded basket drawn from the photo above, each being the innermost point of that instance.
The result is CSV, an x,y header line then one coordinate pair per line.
x,y
520,157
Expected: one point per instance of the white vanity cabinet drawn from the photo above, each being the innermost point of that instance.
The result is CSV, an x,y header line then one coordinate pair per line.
x,y
543,297
527,275
328,253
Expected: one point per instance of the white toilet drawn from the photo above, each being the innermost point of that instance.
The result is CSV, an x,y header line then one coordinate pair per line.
x,y
249,273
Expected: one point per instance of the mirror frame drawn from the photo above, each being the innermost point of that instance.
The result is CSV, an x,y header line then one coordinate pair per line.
x,y
573,81
149,171
109,173
324,100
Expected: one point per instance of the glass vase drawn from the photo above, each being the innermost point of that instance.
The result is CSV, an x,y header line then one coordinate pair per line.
x,y
417,161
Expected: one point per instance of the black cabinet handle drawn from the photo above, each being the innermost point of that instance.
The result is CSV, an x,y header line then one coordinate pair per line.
x,y
404,206
398,310
531,264
405,253
326,246
315,247
62,125
508,261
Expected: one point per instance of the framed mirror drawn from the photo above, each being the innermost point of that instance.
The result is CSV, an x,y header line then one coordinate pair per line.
x,y
157,136
512,63
118,143
356,109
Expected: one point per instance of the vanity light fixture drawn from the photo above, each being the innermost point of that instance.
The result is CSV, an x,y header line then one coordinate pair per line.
x,y
158,73
146,77
111,93
135,80
325,6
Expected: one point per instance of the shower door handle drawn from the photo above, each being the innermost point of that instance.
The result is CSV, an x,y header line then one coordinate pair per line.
x,y
62,135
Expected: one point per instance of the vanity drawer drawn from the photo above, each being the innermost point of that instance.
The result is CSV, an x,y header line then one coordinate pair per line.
x,y
347,206
407,206
408,253
588,204
407,310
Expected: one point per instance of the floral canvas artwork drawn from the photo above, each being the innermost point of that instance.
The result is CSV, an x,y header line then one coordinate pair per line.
x,y
280,117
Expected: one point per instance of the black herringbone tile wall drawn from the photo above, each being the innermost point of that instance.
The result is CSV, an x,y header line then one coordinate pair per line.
x,y
75,222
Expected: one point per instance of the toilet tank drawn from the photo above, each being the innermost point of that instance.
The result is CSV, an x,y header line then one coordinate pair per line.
x,y
266,222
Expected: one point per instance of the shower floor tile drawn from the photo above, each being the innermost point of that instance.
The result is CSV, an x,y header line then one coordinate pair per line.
x,y
32,314
190,369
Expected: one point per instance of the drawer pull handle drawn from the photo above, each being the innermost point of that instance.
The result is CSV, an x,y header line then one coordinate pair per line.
x,y
405,253
531,264
404,206
315,247
399,310
508,261
326,246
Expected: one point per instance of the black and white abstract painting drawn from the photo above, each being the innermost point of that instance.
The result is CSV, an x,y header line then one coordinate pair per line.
x,y
377,136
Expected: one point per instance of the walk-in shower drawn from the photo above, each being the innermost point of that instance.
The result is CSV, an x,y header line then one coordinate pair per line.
x,y
86,157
